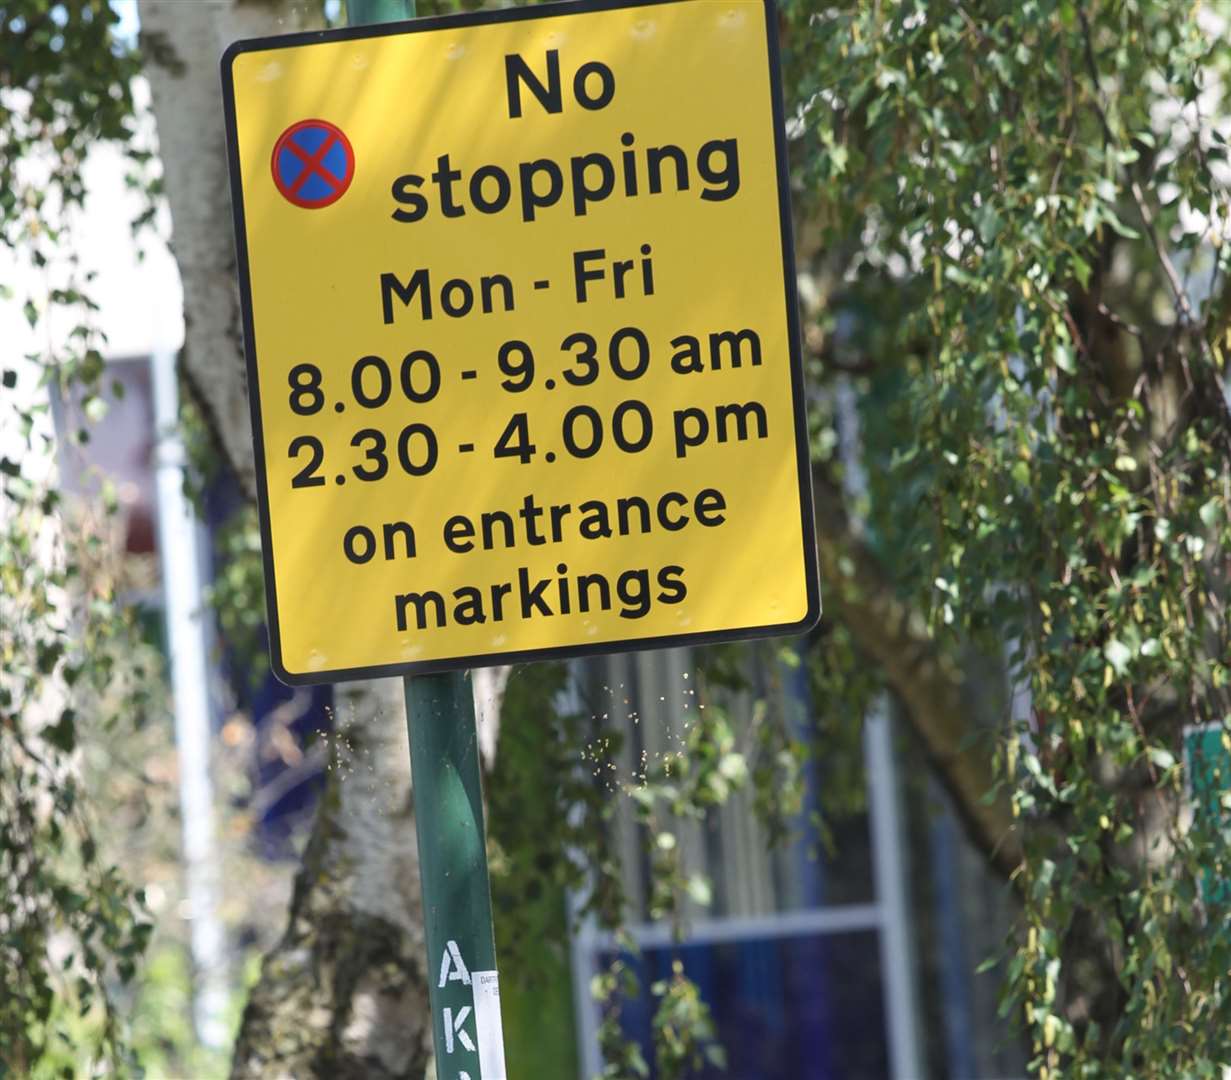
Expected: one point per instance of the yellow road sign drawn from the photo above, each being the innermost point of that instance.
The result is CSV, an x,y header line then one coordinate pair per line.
x,y
521,335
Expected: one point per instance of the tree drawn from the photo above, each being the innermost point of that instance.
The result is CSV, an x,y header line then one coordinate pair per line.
x,y
1031,199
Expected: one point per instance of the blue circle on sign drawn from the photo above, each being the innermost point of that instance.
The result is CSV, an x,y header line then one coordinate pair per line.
x,y
313,163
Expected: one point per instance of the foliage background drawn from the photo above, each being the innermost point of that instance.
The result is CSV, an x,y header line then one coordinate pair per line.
x,y
1036,193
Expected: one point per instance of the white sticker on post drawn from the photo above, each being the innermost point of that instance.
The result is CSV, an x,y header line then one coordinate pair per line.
x,y
488,1025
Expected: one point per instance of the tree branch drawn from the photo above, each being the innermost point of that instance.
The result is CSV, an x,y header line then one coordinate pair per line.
x,y
931,687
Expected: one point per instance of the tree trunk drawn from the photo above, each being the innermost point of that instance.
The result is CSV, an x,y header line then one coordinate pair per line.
x,y
182,44
344,993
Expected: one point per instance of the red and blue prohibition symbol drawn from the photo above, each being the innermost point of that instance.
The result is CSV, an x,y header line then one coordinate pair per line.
x,y
313,163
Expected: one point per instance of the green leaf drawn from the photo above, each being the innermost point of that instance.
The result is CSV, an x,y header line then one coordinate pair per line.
x,y
1163,759
1118,655
63,733
1065,358
700,890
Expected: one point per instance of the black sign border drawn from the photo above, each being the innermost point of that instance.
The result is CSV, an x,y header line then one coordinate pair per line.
x,y
482,18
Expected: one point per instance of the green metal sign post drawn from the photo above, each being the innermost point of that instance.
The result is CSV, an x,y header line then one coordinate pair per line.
x,y
457,907
444,760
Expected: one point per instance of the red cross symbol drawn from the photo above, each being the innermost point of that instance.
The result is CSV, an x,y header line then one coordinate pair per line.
x,y
313,163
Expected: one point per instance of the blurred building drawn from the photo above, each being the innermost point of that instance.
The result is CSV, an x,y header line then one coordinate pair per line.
x,y
859,964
